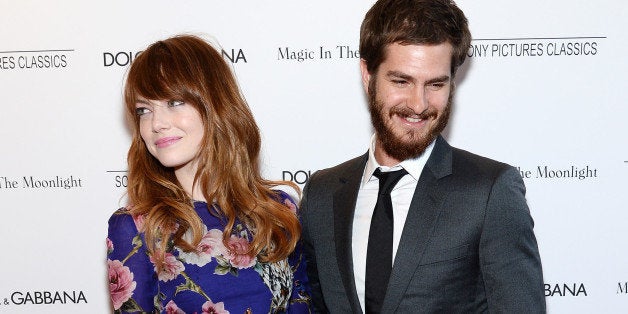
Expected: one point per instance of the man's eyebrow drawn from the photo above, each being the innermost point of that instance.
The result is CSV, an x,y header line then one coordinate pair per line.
x,y
404,76
399,74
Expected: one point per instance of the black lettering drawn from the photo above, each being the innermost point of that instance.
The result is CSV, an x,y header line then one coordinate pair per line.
x,y
301,177
525,174
108,59
287,176
282,54
17,298
566,288
233,57
300,56
581,289
7,63
324,54
122,181
241,56
57,298
122,58
47,297
38,297
81,297
67,297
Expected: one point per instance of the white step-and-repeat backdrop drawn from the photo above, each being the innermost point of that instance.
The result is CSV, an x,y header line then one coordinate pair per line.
x,y
543,89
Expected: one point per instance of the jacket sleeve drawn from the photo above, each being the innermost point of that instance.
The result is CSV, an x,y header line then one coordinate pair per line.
x,y
509,255
310,254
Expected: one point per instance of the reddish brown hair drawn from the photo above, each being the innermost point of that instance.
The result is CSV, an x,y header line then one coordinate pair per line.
x,y
187,68
413,22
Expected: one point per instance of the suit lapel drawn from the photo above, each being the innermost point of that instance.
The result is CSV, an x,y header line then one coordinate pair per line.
x,y
423,213
345,198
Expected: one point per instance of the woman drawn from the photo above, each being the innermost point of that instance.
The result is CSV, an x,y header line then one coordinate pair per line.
x,y
203,232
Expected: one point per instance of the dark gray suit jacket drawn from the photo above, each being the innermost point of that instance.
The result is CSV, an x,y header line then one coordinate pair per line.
x,y
467,246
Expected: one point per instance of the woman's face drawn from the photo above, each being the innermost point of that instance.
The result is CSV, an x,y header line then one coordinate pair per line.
x,y
172,131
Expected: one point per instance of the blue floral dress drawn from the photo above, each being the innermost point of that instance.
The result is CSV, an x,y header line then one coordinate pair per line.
x,y
215,279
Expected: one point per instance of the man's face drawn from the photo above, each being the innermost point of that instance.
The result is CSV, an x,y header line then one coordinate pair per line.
x,y
409,99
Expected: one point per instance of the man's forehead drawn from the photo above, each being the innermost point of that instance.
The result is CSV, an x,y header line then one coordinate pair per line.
x,y
419,52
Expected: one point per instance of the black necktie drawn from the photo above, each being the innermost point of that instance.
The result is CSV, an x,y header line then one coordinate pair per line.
x,y
379,253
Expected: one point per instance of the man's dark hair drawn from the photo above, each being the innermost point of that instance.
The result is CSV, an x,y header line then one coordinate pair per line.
x,y
413,22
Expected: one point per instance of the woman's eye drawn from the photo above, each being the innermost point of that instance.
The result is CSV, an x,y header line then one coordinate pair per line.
x,y
141,111
174,103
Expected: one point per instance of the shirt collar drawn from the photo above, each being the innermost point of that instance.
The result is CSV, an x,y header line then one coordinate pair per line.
x,y
413,166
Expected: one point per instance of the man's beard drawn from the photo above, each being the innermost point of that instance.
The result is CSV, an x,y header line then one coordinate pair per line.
x,y
414,143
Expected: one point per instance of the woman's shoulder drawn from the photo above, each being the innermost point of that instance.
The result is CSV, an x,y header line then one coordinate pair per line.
x,y
123,220
287,199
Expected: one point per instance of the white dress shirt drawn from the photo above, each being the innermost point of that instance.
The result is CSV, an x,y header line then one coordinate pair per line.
x,y
401,196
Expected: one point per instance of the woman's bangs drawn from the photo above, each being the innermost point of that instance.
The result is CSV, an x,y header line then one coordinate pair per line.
x,y
158,77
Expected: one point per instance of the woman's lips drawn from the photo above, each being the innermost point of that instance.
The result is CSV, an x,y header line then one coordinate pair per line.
x,y
166,141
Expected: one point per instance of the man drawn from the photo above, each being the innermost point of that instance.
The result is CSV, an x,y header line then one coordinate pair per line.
x,y
459,236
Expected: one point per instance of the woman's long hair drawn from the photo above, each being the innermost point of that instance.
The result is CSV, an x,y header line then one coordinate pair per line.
x,y
187,68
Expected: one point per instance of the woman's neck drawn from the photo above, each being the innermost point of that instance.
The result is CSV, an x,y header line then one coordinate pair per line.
x,y
185,176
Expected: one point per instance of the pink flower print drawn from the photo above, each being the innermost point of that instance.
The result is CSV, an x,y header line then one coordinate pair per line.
x,y
172,308
210,246
291,205
210,308
139,222
171,267
238,253
109,246
121,284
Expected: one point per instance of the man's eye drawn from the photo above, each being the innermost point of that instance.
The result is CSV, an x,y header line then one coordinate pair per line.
x,y
141,111
174,103
436,86
400,82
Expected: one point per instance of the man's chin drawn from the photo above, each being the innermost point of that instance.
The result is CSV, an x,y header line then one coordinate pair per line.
x,y
413,139
406,149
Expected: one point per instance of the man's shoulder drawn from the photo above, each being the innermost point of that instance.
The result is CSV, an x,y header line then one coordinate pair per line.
x,y
351,167
474,163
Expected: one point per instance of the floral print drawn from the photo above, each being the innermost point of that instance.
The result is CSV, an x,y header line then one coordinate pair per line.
x,y
171,267
279,280
139,222
210,246
211,308
172,308
291,205
236,253
121,284
216,278
109,246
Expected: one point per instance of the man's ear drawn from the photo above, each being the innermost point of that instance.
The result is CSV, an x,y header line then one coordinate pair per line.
x,y
366,76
